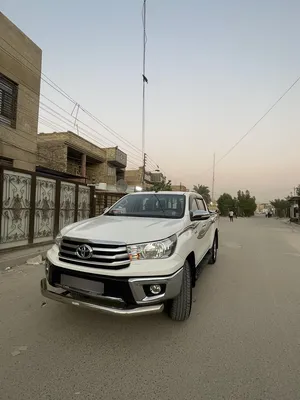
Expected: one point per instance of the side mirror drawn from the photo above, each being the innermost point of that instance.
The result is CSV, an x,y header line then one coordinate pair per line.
x,y
200,215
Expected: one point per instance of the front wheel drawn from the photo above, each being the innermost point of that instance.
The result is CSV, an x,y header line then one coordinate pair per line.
x,y
214,251
180,307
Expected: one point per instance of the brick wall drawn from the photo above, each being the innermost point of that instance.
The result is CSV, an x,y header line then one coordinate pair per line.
x,y
74,141
21,62
52,155
134,176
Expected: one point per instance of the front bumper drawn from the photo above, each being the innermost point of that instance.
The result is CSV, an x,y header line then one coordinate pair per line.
x,y
92,306
122,296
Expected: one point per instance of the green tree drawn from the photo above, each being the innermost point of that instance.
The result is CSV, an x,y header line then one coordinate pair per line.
x,y
204,191
246,203
164,185
225,203
281,207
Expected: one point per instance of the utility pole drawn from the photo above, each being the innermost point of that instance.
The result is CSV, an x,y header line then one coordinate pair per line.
x,y
144,169
213,179
145,80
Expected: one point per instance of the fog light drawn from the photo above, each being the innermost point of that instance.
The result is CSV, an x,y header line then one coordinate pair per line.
x,y
155,289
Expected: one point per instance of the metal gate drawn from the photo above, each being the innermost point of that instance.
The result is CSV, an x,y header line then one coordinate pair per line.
x,y
106,199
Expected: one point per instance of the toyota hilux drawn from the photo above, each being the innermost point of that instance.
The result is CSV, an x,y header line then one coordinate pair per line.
x,y
142,255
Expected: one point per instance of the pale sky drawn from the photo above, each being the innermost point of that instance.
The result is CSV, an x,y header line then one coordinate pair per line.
x,y
214,67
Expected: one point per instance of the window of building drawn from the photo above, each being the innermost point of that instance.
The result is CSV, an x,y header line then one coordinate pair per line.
x,y
6,162
8,101
111,171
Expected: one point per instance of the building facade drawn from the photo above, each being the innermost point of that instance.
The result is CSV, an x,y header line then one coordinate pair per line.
x,y
69,153
134,177
179,188
20,76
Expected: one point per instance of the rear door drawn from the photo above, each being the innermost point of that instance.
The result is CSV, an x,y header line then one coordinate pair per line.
x,y
205,233
199,245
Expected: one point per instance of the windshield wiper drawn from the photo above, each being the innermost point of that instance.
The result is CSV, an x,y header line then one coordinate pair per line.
x,y
162,209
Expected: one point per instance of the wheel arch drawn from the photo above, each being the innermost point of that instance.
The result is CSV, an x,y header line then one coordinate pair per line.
x,y
217,237
192,262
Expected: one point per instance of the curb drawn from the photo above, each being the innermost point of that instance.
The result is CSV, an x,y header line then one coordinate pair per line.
x,y
12,257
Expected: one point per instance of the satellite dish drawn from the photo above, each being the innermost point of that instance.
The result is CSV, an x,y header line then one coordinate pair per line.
x,y
121,185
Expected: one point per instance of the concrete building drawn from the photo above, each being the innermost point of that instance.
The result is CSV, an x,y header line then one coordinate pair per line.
x,y
20,76
179,188
69,153
134,177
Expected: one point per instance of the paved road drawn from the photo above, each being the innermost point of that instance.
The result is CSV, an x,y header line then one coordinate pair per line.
x,y
241,342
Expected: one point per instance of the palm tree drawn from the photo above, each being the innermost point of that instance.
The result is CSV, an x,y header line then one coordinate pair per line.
x,y
204,191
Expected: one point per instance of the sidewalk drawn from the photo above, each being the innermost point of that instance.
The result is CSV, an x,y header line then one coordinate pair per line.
x,y
14,257
292,225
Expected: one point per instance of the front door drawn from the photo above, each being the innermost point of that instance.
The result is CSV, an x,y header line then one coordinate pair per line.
x,y
199,232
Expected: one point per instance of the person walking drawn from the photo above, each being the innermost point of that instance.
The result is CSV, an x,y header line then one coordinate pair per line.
x,y
231,215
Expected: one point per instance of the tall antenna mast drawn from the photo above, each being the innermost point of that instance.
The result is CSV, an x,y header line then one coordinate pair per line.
x,y
145,80
213,179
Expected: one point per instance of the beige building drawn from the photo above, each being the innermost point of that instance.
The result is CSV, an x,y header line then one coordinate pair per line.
x,y
69,153
134,177
179,188
20,76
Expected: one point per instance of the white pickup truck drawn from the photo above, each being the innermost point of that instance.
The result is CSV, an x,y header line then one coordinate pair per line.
x,y
140,256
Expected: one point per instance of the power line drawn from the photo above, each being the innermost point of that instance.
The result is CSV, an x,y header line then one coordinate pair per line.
x,y
63,93
53,84
66,95
70,124
55,126
260,119
256,123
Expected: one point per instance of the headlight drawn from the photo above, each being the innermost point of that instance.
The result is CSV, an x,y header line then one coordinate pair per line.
x,y
153,250
58,239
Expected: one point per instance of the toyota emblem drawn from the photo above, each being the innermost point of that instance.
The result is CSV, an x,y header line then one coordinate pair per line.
x,y
84,251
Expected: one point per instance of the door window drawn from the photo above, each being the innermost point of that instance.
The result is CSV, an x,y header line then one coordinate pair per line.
x,y
200,204
194,205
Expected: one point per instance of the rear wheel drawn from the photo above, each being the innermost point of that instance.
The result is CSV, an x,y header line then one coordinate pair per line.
x,y
180,307
214,251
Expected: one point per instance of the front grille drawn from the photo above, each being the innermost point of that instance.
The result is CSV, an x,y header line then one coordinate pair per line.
x,y
113,287
105,255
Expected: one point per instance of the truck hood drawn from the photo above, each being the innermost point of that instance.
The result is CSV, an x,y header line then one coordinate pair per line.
x,y
128,230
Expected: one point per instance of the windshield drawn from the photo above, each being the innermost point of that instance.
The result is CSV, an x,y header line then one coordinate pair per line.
x,y
153,205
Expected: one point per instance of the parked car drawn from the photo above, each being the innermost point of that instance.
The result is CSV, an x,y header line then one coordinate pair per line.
x,y
141,256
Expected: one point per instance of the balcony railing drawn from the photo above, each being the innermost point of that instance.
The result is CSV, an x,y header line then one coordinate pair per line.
x,y
110,180
74,169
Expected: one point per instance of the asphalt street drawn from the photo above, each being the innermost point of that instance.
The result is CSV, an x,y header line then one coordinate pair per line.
x,y
242,340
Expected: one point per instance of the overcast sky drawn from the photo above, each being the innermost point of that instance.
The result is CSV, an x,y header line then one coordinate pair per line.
x,y
214,67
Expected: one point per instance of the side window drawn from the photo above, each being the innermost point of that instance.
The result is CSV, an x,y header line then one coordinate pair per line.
x,y
194,205
200,204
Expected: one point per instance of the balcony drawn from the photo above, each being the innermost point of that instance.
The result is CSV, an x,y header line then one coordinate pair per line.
x,y
116,157
73,168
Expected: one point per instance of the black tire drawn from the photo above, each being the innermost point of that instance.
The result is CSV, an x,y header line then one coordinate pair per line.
x,y
180,307
214,251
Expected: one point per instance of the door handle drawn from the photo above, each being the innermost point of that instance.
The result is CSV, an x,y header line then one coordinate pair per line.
x,y
204,225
